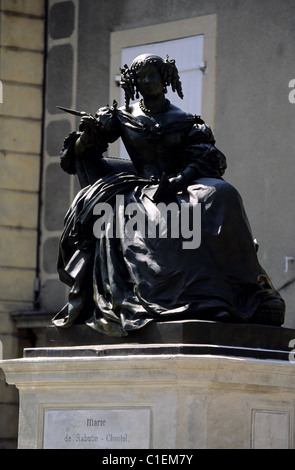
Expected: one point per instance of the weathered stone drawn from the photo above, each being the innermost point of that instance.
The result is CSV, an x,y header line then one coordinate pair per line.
x,y
16,64
22,32
196,402
27,7
50,248
19,172
22,101
20,135
8,422
17,284
18,248
60,78
56,196
53,296
56,132
61,19
19,211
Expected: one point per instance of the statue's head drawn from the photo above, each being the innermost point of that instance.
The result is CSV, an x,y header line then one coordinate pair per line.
x,y
167,69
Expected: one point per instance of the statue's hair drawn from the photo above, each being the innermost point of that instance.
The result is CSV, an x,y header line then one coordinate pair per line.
x,y
167,69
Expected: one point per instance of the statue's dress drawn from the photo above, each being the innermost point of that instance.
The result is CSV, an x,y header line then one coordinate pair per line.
x,y
121,283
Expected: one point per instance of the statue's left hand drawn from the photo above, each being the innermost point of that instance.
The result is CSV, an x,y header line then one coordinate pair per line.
x,y
177,183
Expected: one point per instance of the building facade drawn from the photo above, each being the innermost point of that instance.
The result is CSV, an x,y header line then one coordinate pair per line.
x,y
68,53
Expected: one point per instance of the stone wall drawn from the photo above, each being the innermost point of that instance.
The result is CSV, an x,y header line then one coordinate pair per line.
x,y
21,74
58,187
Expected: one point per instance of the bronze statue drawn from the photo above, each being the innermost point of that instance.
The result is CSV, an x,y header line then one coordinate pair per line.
x,y
122,280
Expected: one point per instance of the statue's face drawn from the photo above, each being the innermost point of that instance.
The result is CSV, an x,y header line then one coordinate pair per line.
x,y
149,81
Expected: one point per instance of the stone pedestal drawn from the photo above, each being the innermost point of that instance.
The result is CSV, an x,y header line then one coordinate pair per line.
x,y
176,395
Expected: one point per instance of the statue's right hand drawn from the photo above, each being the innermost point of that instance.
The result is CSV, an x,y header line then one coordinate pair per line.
x,y
87,126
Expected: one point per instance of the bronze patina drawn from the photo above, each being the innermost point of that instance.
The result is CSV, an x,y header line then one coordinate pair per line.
x,y
120,282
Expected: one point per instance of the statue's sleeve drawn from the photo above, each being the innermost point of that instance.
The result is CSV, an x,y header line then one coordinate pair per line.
x,y
201,154
67,154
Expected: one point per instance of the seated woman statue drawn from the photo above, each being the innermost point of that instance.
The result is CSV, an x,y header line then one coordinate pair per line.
x,y
122,280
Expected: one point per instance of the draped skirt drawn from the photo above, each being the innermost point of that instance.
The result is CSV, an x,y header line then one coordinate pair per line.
x,y
130,261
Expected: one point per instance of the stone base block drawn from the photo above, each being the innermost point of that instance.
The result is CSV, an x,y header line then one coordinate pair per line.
x,y
167,401
176,337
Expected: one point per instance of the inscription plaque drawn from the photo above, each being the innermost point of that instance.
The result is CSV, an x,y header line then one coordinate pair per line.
x,y
116,428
